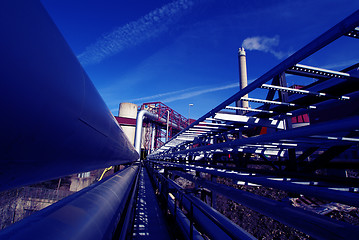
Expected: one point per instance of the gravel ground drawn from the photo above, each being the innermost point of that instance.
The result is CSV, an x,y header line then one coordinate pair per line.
x,y
263,227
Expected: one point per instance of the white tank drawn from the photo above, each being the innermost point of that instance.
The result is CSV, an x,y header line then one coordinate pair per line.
x,y
128,110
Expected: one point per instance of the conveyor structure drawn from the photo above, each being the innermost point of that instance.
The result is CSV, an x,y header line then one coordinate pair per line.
x,y
266,146
69,129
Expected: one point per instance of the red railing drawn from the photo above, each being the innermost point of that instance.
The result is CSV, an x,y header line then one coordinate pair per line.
x,y
176,120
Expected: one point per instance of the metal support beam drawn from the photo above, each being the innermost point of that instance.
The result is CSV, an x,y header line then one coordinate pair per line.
x,y
268,102
354,33
333,126
345,26
316,72
306,154
313,224
322,192
209,219
211,222
326,157
253,121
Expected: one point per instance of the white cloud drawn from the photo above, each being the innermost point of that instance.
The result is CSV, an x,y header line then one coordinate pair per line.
x,y
340,65
264,44
147,27
184,94
199,92
161,95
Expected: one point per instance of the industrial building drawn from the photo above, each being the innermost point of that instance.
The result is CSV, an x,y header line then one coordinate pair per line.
x,y
286,159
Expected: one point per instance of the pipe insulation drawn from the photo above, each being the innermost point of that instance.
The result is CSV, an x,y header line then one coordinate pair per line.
x,y
92,213
139,125
54,122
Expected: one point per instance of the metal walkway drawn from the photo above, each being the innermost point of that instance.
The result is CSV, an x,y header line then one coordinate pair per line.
x,y
149,221
289,140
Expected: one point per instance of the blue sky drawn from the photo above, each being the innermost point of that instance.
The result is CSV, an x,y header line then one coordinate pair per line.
x,y
185,51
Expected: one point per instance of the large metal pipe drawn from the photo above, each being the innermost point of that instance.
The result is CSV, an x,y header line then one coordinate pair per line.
x,y
139,125
54,122
92,213
153,137
214,224
315,225
210,219
183,222
127,226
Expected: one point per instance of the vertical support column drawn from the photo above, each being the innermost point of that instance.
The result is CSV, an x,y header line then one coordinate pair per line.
x,y
240,159
283,97
165,187
213,193
168,120
292,161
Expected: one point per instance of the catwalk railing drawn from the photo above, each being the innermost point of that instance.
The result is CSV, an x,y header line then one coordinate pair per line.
x,y
68,129
301,139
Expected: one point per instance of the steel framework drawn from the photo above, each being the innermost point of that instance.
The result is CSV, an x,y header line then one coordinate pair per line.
x,y
168,123
263,146
300,139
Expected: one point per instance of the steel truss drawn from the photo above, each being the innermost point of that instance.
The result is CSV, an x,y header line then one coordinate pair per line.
x,y
271,143
176,123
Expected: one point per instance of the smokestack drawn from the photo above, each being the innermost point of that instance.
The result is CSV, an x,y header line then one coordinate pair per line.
x,y
242,76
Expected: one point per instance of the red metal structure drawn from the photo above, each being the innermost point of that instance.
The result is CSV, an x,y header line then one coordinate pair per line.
x,y
168,124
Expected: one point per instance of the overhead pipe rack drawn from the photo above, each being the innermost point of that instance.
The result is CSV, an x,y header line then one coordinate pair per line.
x,y
235,142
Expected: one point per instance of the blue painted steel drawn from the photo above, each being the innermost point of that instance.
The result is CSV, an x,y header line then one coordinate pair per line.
x,y
54,122
126,228
343,27
92,213
317,226
345,124
213,224
348,198
183,222
210,219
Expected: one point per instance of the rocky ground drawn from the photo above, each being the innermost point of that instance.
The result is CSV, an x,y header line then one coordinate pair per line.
x,y
263,227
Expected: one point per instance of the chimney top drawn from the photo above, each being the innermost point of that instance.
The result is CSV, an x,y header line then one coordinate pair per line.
x,y
241,52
